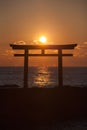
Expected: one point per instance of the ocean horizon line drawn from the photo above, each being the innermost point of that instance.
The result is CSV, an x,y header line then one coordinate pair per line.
x,y
50,66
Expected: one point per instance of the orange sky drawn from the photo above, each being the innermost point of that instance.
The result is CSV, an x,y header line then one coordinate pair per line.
x,y
62,21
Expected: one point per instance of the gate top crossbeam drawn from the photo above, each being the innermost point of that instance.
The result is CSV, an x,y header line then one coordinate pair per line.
x,y
57,47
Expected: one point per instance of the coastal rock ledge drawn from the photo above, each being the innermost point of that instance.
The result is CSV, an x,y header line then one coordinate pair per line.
x,y
39,106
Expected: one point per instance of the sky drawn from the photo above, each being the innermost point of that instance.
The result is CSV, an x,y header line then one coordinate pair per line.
x,y
61,21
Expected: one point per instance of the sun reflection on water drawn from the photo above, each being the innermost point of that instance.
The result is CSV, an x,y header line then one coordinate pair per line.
x,y
42,79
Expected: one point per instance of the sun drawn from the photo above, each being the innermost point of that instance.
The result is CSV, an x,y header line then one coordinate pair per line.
x,y
43,39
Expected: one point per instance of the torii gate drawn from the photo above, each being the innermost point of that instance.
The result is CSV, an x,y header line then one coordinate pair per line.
x,y
43,48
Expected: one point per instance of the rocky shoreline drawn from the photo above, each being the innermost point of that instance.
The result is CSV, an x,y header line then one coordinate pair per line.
x,y
42,106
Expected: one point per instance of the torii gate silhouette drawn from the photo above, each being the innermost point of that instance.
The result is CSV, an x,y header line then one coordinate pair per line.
x,y
43,48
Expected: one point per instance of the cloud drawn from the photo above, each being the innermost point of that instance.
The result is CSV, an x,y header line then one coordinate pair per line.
x,y
6,52
78,47
85,42
9,52
20,43
81,50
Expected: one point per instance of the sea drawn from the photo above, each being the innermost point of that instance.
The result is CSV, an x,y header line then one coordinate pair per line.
x,y
44,76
